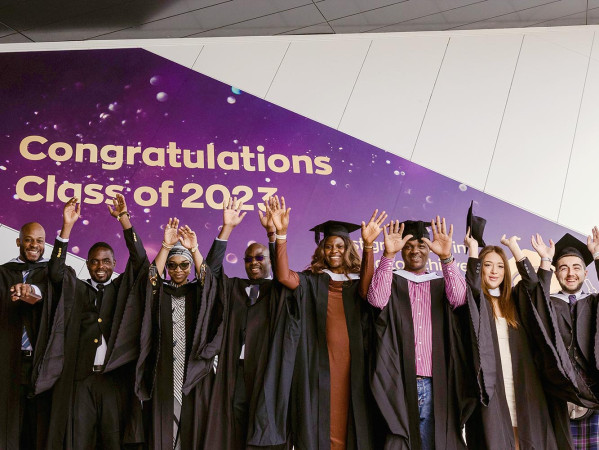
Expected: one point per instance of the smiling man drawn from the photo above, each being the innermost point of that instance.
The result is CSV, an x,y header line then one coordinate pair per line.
x,y
90,406
576,312
412,380
249,310
24,308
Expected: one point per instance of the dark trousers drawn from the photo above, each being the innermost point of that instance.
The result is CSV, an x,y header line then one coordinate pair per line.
x,y
98,412
240,405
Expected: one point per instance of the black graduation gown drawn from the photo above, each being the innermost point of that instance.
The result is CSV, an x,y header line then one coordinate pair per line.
x,y
542,421
154,373
59,364
256,323
581,346
394,377
296,391
37,320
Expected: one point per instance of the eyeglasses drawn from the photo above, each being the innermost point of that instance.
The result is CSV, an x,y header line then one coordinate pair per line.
x,y
249,259
182,265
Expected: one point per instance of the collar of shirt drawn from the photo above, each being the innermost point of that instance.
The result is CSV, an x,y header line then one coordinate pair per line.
x,y
94,284
19,260
495,292
417,278
341,276
580,294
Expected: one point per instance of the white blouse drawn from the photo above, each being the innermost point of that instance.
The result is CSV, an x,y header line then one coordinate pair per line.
x,y
506,363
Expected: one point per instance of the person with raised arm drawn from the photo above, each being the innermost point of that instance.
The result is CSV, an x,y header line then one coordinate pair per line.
x,y
93,405
316,384
413,381
250,306
516,410
174,356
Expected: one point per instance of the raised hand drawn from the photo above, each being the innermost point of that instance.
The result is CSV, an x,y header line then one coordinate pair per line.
x,y
232,214
171,232
372,229
512,244
471,244
279,214
442,240
593,241
188,237
544,250
265,218
118,206
71,211
394,239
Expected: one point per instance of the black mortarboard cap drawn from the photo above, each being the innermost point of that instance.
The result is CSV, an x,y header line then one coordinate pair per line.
x,y
417,228
333,228
476,225
568,245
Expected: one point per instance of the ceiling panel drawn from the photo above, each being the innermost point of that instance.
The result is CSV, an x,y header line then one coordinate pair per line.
x,y
68,20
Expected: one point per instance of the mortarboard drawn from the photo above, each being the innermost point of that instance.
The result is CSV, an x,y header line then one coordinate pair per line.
x,y
568,245
476,225
333,228
417,228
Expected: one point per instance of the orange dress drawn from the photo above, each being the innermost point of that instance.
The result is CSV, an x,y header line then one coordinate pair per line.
x,y
339,364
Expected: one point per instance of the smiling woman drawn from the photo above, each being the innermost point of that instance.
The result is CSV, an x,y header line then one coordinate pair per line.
x,y
327,302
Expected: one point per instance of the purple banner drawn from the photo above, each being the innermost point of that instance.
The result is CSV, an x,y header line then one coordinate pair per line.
x,y
176,143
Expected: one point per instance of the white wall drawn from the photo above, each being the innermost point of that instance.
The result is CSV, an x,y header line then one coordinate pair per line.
x,y
510,112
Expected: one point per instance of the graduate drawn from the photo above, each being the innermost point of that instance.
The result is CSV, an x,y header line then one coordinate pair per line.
x,y
576,315
316,382
250,306
174,359
25,316
515,411
414,375
93,403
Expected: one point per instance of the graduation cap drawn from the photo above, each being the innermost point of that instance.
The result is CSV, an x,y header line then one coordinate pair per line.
x,y
568,245
476,225
417,228
333,228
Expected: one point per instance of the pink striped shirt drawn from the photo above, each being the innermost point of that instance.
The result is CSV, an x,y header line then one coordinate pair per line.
x,y
420,299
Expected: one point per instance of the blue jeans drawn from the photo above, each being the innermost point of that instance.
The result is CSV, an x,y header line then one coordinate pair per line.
x,y
427,413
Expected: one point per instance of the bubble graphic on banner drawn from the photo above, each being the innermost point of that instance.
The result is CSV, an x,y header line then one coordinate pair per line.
x,y
388,162
207,225
429,199
162,97
231,100
234,90
114,107
250,243
75,249
463,187
146,210
235,141
396,172
333,182
85,222
2,168
16,197
231,258
267,180
155,80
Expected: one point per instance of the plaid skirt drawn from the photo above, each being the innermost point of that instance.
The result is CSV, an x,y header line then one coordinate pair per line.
x,y
585,433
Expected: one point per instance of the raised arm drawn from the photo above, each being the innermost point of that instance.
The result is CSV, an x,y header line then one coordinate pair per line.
x,y
232,216
380,287
529,277
455,283
189,240
370,231
171,236
137,252
280,218
593,246
473,266
57,264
